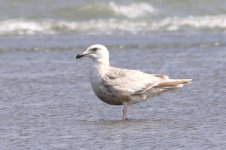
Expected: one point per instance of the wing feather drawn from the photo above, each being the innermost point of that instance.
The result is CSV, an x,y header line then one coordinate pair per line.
x,y
131,81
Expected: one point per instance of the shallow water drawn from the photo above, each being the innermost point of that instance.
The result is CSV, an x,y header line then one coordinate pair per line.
x,y
47,103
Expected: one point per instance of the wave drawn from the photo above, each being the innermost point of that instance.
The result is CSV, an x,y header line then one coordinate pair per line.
x,y
110,26
22,26
132,11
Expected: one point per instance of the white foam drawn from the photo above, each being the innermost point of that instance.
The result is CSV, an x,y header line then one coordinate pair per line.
x,y
133,10
204,22
23,26
20,26
110,26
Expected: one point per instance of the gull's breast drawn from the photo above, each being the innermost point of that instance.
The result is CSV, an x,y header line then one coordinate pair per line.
x,y
105,94
105,91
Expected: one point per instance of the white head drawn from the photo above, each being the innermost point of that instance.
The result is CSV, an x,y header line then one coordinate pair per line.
x,y
97,53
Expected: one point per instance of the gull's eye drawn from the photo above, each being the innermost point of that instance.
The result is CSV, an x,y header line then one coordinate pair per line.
x,y
95,49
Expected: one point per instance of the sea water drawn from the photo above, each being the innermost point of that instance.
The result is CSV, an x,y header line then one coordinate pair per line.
x,y
46,101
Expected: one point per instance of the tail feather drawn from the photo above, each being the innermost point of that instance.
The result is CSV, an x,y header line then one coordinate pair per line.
x,y
173,83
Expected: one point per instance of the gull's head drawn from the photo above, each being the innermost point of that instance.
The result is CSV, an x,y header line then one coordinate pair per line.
x,y
97,52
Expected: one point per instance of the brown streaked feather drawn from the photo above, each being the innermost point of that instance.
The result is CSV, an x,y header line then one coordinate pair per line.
x,y
160,76
148,86
172,83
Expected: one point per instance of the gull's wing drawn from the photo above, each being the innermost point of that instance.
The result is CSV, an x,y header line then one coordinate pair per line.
x,y
135,82
131,81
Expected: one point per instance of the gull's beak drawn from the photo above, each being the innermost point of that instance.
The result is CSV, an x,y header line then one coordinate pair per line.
x,y
81,55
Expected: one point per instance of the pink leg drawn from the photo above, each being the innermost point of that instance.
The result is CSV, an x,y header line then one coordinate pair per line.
x,y
125,112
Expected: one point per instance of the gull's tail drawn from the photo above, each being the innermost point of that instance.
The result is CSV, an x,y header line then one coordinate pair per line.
x,y
173,83
164,86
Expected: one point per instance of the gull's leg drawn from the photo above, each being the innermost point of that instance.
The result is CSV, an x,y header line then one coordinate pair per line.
x,y
125,112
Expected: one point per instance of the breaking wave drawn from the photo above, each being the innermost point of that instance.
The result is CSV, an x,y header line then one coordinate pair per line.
x,y
109,26
131,11
134,10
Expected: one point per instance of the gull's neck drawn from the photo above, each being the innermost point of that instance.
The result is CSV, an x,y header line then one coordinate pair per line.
x,y
100,67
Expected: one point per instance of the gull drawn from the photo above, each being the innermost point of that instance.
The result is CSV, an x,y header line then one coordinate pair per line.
x,y
118,86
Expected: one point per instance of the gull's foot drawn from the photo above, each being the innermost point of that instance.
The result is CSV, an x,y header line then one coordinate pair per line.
x,y
125,119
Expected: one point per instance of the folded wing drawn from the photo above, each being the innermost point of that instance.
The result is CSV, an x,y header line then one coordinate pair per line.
x,y
135,82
